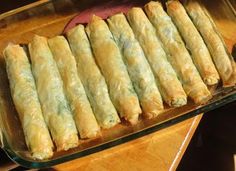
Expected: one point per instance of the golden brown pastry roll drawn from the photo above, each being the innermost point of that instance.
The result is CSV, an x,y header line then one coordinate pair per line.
x,y
92,79
200,54
109,59
169,85
137,65
25,98
83,115
178,54
222,59
56,110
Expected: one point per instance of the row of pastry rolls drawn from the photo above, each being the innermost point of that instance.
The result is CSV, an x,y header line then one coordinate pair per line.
x,y
109,59
201,37
137,66
56,78
221,57
92,79
55,107
200,54
83,115
178,55
166,78
38,95
113,68
25,98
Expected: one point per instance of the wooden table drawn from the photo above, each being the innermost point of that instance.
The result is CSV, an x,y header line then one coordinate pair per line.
x,y
161,150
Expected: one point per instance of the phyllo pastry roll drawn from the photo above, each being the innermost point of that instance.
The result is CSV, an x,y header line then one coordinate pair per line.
x,y
200,54
169,85
109,59
178,56
83,115
92,79
56,110
137,65
221,57
25,98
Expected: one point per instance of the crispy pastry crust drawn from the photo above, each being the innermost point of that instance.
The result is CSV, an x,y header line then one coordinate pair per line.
x,y
178,54
110,61
56,110
92,79
194,42
221,57
169,85
25,98
137,65
83,115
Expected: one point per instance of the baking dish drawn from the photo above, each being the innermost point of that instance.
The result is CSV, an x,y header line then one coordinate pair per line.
x,y
49,18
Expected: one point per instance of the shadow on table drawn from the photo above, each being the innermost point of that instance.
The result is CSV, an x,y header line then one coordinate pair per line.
x,y
213,145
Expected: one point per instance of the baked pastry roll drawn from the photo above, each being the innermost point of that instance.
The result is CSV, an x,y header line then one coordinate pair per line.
x,y
178,54
137,66
169,85
92,79
56,110
222,59
194,42
83,115
25,98
109,59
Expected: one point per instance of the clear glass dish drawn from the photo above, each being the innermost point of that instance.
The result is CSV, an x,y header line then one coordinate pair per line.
x,y
49,18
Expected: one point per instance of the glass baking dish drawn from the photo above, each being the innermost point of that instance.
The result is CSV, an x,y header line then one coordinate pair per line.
x,y
49,18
